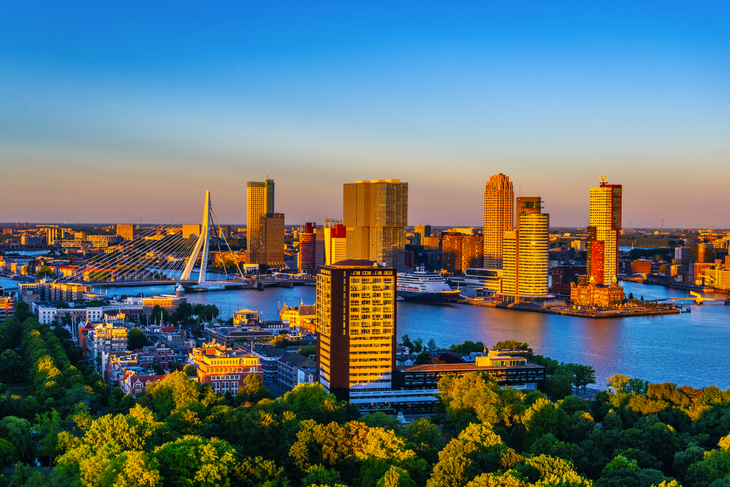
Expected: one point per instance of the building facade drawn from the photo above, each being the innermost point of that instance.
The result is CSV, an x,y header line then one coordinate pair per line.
x,y
224,368
461,252
603,232
376,216
499,217
526,251
356,327
259,203
126,231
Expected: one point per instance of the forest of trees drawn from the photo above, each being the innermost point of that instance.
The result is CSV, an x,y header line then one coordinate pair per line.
x,y
180,433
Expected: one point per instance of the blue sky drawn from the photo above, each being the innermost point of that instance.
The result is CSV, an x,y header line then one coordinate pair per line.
x,y
125,111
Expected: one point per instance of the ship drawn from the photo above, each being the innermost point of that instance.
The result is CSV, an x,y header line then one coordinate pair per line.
x,y
425,287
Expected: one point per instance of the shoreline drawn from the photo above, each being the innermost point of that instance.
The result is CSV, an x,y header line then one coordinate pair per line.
x,y
617,313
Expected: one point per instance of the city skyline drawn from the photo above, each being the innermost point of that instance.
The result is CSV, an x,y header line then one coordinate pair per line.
x,y
107,115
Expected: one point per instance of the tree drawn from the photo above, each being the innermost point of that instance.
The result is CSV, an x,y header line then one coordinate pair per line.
x,y
511,344
12,367
17,432
255,472
432,347
583,375
22,311
406,342
418,345
136,338
46,271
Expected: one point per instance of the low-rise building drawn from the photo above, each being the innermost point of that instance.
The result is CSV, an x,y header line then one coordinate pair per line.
x,y
227,335
593,295
301,318
245,317
6,308
269,357
104,338
224,368
294,369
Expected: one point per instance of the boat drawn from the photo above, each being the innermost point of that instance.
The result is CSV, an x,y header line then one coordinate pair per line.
x,y
687,310
425,287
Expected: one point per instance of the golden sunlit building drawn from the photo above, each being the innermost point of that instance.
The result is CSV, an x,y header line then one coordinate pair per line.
x,y
603,232
126,231
190,230
271,247
461,252
526,251
376,216
499,212
259,205
224,368
356,327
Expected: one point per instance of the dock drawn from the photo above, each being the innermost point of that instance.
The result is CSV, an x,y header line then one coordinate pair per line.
x,y
580,313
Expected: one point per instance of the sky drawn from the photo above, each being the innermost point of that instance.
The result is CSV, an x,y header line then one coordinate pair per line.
x,y
130,111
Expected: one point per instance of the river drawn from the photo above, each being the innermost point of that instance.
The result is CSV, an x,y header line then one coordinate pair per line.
x,y
689,348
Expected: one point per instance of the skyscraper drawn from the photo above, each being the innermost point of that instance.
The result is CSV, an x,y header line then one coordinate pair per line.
x,y
126,231
603,230
356,327
271,241
335,242
526,250
307,248
376,215
498,218
259,202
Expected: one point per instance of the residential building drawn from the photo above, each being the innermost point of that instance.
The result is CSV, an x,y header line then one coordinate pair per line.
x,y
421,232
245,317
376,215
295,369
603,230
302,317
228,335
269,357
224,368
6,308
356,327
104,338
526,251
259,203
498,218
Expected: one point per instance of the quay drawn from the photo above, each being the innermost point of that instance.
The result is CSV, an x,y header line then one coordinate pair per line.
x,y
565,311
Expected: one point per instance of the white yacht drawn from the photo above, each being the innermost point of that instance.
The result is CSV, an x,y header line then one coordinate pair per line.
x,y
425,287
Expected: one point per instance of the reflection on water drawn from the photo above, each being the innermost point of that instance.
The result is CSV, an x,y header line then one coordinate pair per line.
x,y
690,348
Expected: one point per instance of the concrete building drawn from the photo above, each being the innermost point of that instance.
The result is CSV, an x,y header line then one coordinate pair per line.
x,y
603,230
294,369
190,230
224,368
335,243
126,231
356,327
271,248
461,252
593,295
499,217
526,251
259,204
376,215
245,317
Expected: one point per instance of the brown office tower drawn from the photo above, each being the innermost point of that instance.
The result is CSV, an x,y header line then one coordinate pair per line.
x,y
259,203
499,217
307,248
603,232
356,328
271,246
376,216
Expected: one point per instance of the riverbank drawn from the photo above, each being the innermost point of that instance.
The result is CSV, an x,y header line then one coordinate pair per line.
x,y
581,313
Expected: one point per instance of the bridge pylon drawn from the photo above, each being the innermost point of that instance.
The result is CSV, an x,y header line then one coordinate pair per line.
x,y
201,244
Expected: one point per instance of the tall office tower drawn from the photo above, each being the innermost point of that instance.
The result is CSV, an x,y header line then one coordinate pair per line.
x,y
125,231
307,248
259,202
605,220
356,328
422,231
498,218
526,250
319,247
271,244
335,243
376,215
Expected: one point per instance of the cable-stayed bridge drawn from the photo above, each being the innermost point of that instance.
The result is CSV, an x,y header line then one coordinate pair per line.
x,y
165,255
